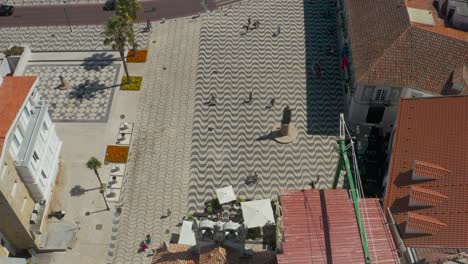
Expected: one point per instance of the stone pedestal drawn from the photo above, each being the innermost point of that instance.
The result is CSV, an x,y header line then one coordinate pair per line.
x,y
284,133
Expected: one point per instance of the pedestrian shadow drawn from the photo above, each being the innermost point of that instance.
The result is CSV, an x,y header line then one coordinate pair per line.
x,y
98,61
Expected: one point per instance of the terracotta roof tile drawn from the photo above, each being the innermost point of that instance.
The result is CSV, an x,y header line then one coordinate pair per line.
x,y
13,92
320,227
429,170
387,50
213,254
424,223
174,254
431,130
423,196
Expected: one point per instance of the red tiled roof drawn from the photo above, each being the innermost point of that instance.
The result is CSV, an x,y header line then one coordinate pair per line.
x,y
174,254
387,49
425,196
184,254
13,92
321,227
432,130
423,223
429,170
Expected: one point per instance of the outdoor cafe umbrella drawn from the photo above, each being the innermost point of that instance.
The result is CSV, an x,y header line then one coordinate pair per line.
x,y
187,234
257,213
225,194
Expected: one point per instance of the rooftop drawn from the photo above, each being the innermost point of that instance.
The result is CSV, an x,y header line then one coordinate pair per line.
x,y
389,49
185,254
320,227
430,202
13,92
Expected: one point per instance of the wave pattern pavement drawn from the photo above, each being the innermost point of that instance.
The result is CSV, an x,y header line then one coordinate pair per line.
x,y
158,169
59,38
229,140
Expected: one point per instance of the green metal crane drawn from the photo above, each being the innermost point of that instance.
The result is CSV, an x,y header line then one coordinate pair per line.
x,y
344,161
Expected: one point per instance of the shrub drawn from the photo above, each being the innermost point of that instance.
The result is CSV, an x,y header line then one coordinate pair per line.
x,y
139,58
14,51
135,84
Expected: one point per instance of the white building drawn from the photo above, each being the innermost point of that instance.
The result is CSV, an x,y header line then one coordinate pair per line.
x,y
32,140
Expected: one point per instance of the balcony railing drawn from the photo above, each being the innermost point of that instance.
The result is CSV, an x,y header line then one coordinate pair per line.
x,y
384,102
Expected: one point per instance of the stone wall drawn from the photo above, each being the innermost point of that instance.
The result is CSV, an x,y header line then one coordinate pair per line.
x,y
16,206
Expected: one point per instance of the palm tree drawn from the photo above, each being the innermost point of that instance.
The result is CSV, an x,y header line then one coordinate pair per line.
x,y
94,164
119,32
128,8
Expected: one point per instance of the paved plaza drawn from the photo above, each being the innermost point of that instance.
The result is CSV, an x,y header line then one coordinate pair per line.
x,y
89,96
183,149
230,140
60,38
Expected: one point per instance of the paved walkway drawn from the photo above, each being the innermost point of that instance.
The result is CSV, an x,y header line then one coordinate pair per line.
x,y
158,170
59,38
230,141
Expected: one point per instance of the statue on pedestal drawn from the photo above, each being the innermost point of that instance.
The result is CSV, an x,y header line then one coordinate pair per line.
x,y
286,115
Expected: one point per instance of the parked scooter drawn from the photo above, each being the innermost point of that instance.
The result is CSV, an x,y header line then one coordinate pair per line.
x,y
57,214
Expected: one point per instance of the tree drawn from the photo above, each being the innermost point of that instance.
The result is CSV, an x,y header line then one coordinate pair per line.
x,y
94,164
119,32
128,8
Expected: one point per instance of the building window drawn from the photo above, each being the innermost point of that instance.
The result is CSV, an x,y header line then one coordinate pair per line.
x,y
43,174
44,126
35,156
375,114
4,170
24,204
380,95
13,190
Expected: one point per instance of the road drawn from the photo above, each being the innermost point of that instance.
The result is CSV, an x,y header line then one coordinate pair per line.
x,y
90,14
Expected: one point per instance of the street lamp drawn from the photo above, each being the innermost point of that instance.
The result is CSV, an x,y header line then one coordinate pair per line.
x,y
68,20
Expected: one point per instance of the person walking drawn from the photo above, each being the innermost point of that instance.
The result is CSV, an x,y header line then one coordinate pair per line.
x,y
272,103
148,239
148,25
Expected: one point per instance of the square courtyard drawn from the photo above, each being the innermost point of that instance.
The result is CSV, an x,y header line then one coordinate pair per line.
x,y
90,92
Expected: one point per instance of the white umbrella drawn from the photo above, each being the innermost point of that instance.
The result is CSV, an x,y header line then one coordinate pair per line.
x,y
257,213
225,194
187,235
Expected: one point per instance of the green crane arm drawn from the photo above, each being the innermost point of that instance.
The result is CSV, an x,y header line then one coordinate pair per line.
x,y
354,196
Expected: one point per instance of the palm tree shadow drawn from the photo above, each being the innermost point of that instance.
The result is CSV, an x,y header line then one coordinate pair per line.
x,y
98,61
88,90
77,190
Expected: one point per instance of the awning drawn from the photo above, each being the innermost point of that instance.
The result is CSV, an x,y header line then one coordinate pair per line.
x,y
187,235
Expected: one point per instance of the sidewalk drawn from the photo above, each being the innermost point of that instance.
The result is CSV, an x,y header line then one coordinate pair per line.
x,y
80,142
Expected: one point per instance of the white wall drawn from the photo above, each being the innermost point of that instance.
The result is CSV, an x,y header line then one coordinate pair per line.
x,y
37,155
365,96
4,68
